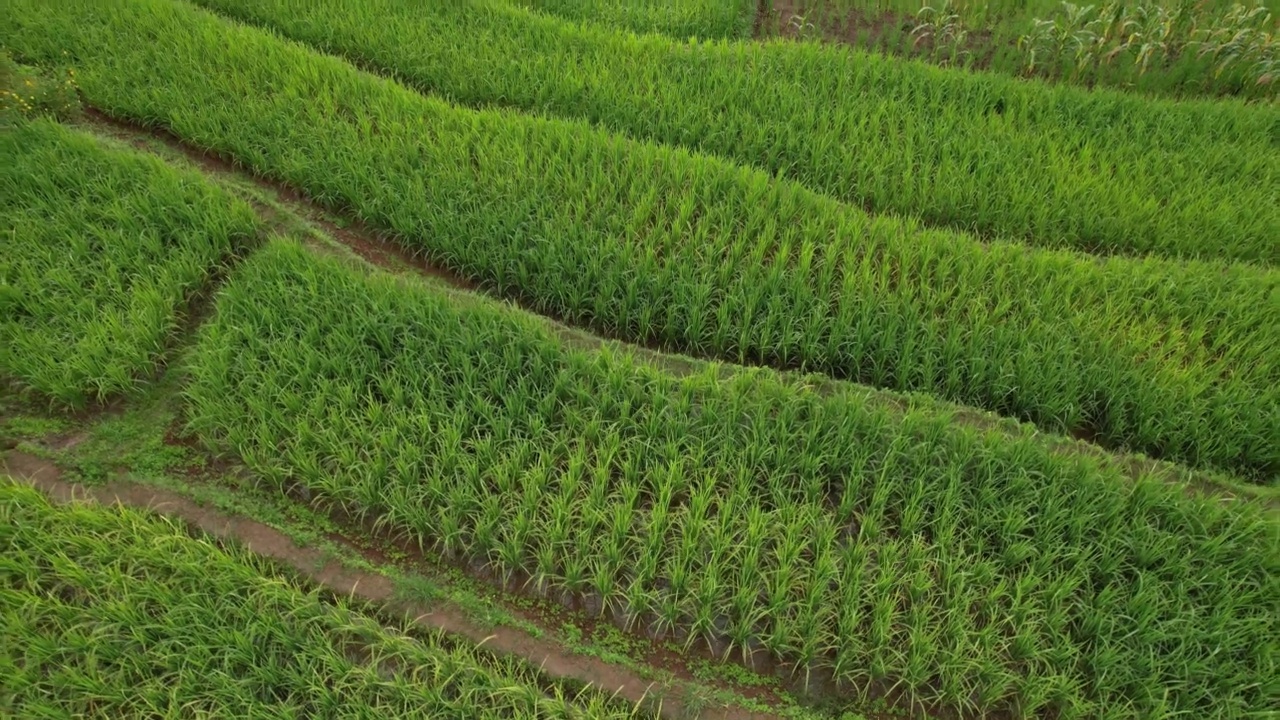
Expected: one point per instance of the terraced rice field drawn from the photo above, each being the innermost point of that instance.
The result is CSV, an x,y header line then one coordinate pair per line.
x,y
498,361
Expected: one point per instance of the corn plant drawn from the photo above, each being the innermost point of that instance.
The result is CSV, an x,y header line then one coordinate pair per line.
x,y
655,245
942,31
1149,35
1079,32
114,613
1156,33
802,28
975,153
102,251
1244,38
741,511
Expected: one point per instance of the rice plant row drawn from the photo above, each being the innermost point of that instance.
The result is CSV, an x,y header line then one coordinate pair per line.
x,y
751,516
1051,166
102,249
678,18
114,613
655,245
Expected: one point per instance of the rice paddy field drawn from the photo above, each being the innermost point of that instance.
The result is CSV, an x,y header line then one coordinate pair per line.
x,y
661,359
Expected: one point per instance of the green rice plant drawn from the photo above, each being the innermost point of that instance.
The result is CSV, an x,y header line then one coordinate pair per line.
x,y
683,19
102,251
114,613
655,245
742,510
1050,166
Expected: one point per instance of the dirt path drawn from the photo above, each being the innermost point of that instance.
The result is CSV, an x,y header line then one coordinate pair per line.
x,y
314,565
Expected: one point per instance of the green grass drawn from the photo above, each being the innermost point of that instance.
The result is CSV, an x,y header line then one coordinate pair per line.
x,y
679,18
743,512
114,613
1049,166
103,249
659,246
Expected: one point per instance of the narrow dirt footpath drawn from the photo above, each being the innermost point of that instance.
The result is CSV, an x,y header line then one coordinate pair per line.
x,y
373,587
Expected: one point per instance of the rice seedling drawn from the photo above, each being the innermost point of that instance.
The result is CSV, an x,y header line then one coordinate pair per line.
x,y
658,246
678,18
742,512
114,613
102,250
973,152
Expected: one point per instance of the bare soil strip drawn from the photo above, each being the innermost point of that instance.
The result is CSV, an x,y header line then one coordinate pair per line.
x,y
315,566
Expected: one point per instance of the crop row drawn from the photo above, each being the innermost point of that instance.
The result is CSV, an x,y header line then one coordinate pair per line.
x,y
744,513
1050,166
102,251
112,613
655,245
678,18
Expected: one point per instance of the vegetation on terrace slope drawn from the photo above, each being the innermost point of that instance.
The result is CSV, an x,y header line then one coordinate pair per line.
x,y
678,18
1051,166
656,245
101,252
750,512
114,613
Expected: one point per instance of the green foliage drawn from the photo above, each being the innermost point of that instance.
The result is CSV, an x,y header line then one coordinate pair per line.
x,y
1051,166
1180,48
30,427
678,18
655,245
25,93
745,513
112,613
1079,39
941,31
102,250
